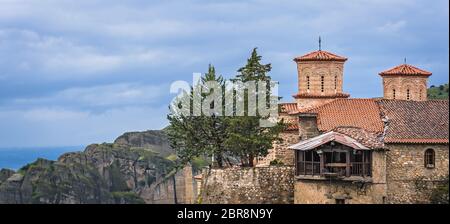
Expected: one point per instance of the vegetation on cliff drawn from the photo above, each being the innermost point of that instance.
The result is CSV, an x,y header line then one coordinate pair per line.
x,y
124,172
438,92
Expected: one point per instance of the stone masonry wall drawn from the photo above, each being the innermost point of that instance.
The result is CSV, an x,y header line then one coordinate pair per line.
x,y
327,192
308,127
283,154
331,71
409,181
417,86
163,193
261,185
280,151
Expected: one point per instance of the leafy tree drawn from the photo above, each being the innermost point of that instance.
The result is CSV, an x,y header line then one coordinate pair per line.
x,y
199,136
222,137
440,194
247,139
254,70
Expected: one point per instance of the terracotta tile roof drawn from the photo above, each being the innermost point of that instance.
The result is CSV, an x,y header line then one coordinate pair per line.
x,y
405,69
320,56
292,123
322,139
308,95
368,139
416,121
361,113
417,141
288,107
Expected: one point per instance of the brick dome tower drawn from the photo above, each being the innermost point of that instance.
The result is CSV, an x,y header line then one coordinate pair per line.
x,y
405,82
320,78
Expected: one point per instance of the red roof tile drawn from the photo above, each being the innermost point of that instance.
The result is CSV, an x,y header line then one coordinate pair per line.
x,y
320,56
361,113
417,141
368,139
405,69
288,107
416,121
335,95
292,124
322,139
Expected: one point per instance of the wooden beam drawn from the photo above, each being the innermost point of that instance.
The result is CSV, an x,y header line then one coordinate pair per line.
x,y
304,162
322,162
296,162
363,164
347,168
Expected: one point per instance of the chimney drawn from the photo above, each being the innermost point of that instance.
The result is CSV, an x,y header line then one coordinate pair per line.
x,y
308,126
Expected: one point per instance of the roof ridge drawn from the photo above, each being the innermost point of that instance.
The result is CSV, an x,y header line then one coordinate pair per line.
x,y
405,69
320,55
309,110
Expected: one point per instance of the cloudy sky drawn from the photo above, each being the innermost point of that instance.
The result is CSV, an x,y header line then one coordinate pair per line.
x,y
78,72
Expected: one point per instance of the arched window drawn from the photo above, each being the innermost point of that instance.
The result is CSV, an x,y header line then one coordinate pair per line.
x,y
322,83
307,82
393,94
429,158
408,94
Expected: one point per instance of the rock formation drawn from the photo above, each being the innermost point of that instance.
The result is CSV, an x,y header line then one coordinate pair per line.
x,y
136,168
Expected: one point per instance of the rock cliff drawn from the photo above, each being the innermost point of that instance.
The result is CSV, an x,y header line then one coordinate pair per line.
x,y
133,169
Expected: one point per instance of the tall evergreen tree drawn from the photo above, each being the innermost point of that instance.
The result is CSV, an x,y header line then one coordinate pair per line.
x,y
254,70
246,138
199,136
218,136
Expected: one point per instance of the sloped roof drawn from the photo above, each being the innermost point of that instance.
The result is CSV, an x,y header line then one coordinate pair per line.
x,y
405,69
292,124
309,95
416,121
361,113
320,55
368,139
288,108
325,138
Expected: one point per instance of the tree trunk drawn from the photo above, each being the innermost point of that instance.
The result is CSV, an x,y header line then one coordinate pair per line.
x,y
219,159
250,160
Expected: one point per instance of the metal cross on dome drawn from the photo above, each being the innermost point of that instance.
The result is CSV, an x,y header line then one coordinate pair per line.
x,y
320,43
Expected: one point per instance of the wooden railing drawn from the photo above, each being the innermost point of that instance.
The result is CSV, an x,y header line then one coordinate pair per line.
x,y
313,168
360,169
308,168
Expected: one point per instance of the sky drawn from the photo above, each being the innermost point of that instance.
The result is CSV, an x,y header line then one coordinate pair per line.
x,y
85,71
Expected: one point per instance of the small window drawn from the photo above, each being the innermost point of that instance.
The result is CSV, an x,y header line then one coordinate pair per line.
x,y
307,82
408,97
322,83
340,201
335,82
393,93
429,158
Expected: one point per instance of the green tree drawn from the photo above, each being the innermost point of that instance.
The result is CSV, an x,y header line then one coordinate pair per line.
x,y
440,194
222,137
199,136
247,140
